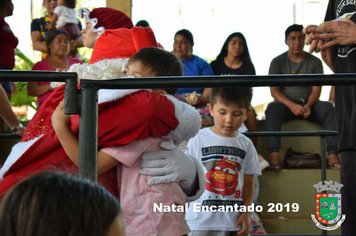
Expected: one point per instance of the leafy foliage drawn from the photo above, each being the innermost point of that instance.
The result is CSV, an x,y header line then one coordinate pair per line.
x,y
21,98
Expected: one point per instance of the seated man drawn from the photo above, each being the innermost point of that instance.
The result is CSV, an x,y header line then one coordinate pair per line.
x,y
298,102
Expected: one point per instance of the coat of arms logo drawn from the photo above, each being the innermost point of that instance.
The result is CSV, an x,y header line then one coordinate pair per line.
x,y
328,206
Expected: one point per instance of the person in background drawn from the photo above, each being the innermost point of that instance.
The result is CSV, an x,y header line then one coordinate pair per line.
x,y
9,116
39,30
230,162
64,17
335,39
56,60
192,66
60,204
142,23
100,19
8,43
298,102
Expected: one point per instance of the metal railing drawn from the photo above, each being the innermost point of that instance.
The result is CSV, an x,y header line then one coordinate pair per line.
x,y
85,101
89,91
87,97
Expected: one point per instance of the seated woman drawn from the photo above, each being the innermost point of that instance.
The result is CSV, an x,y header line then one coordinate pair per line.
x,y
192,66
57,60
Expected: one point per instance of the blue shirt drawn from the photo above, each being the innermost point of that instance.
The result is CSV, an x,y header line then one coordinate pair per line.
x,y
195,66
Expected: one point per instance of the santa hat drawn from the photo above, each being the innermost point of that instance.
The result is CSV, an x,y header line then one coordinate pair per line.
x,y
122,43
106,18
111,53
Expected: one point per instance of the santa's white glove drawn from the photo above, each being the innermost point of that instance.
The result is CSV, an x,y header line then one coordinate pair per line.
x,y
171,165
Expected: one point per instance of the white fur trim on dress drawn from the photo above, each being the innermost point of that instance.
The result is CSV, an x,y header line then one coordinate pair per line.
x,y
189,121
16,152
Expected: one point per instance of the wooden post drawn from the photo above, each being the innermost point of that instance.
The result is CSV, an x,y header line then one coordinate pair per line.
x,y
123,5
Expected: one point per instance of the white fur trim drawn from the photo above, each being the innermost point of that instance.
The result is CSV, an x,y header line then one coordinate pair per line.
x,y
189,121
201,180
16,152
83,12
107,95
101,70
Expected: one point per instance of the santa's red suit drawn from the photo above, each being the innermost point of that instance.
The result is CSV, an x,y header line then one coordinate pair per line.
x,y
134,117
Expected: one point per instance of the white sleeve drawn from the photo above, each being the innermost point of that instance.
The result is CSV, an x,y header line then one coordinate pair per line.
x,y
252,163
58,10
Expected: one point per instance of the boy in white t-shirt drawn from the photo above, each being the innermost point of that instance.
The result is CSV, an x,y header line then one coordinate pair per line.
x,y
231,162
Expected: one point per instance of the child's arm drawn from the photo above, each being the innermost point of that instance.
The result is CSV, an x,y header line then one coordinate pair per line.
x,y
53,22
70,143
247,196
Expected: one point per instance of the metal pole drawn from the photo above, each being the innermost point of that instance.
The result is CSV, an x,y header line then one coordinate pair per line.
x,y
224,81
71,97
323,169
323,159
88,133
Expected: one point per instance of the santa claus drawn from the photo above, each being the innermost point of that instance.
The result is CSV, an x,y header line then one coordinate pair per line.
x,y
40,149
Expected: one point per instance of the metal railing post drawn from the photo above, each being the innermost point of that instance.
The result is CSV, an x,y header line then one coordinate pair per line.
x,y
323,134
88,133
71,97
323,169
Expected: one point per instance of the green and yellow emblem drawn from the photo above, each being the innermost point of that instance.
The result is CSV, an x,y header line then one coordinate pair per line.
x,y
328,206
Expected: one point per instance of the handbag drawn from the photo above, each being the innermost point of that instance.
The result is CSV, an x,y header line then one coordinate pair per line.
x,y
302,160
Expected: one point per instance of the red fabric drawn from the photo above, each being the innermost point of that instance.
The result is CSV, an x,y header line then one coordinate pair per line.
x,y
143,37
110,18
122,43
135,117
8,43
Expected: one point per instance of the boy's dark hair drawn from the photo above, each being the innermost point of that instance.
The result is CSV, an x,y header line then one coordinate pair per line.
x,y
160,62
241,96
70,3
292,28
57,204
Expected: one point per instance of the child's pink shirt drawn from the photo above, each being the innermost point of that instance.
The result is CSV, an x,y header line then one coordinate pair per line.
x,y
137,199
